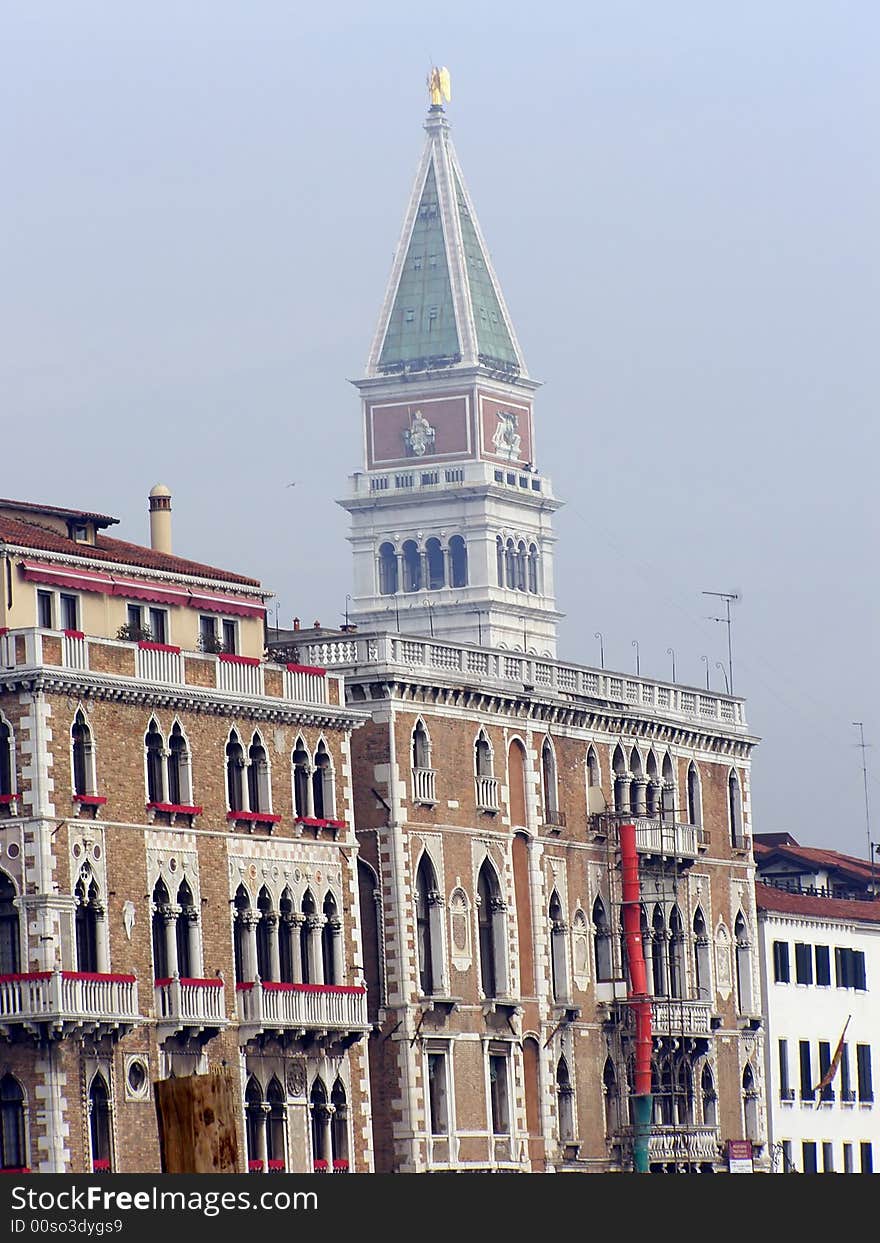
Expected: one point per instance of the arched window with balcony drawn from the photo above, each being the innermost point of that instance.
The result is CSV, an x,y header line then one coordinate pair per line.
x,y
310,953
744,985
276,1126
709,1095
565,1102
694,795
83,755
734,810
637,784
533,569
548,783
331,941
667,796
100,1129
423,775
258,782
264,934
161,913
429,927
255,1122
594,781
435,563
482,755
412,566
235,764
300,765
421,746
602,942
658,951
654,788
558,956
13,1136
89,912
7,760
322,1153
339,1127
750,1098
621,781
244,966
179,768
288,946
684,1092
491,919
702,956
323,797
676,954
187,932
458,562
387,570
10,928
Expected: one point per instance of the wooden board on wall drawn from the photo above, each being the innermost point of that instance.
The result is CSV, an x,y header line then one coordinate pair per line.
x,y
197,1132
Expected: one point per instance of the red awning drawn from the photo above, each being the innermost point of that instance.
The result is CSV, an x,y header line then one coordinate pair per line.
x,y
140,589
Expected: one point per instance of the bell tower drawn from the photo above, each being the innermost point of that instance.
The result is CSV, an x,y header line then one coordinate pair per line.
x,y
451,520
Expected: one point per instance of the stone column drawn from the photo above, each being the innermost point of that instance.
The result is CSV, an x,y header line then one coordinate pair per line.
x,y
641,790
315,924
262,1147
192,935
337,955
294,922
169,922
101,948
270,919
250,919
310,792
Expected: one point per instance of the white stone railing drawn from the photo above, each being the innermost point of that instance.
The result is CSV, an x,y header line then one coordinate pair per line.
x,y
305,685
240,676
662,837
515,670
486,790
424,785
435,476
684,1143
159,664
190,1003
314,1006
686,1018
73,647
68,997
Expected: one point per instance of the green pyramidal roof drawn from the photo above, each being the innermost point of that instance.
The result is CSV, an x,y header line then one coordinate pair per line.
x,y
443,306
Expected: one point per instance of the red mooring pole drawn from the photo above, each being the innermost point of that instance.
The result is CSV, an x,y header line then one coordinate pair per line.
x,y
637,995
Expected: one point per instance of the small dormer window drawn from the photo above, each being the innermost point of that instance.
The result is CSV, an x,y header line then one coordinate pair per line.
x,y
81,535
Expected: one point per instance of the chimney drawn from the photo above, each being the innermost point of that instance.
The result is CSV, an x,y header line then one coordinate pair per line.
x,y
296,623
160,518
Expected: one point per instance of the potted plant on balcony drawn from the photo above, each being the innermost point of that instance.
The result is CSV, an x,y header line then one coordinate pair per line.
x,y
131,633
211,644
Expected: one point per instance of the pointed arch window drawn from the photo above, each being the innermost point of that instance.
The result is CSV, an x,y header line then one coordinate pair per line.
x,y
684,1092
510,564
702,966
710,1099
602,942
235,772
658,951
548,782
288,945
187,932
179,773
637,785
558,956
322,1153
458,562
744,989
694,800
254,1124
10,928
259,789
154,747
301,774
89,911
667,796
565,1102
521,566
276,1126
412,566
593,778
654,788
751,1098
309,940
100,1130
621,782
676,954
492,928
323,797
611,1092
13,1146
7,760
339,1127
265,929
734,810
533,569
244,955
429,927
424,777
435,563
83,752
484,774
387,570
331,941
499,560
161,915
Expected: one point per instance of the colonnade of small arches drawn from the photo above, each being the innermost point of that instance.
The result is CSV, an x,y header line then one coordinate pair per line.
x,y
412,564
289,939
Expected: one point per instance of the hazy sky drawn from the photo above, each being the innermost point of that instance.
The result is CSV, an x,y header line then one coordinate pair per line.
x,y
200,206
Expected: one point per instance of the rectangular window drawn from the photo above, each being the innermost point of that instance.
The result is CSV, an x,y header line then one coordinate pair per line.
x,y
848,1167
806,1071
846,1088
785,1092
159,625
229,636
823,965
809,1157
863,1070
208,640
69,619
781,969
44,609
827,1158
803,963
850,968
134,617
867,1155
498,1094
859,977
827,1093
438,1093
787,1163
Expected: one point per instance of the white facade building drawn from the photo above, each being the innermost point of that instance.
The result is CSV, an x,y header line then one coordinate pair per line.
x,y
820,969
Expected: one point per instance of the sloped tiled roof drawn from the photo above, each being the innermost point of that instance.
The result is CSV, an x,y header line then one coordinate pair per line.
x,y
814,857
31,535
780,901
104,520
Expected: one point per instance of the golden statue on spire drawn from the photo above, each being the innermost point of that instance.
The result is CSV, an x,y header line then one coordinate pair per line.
x,y
439,86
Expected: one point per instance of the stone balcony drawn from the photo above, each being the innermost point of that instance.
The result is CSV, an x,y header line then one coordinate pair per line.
x,y
684,1143
136,663
681,1018
304,1011
666,839
53,1004
190,1006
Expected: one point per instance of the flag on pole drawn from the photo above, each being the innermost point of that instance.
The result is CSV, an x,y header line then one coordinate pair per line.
x,y
827,1078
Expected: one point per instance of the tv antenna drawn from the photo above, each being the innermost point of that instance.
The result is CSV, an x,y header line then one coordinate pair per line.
x,y
728,597
863,747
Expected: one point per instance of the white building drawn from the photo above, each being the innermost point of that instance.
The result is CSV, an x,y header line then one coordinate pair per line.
x,y
819,942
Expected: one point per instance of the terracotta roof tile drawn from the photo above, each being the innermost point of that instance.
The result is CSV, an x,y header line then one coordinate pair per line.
x,y
769,898
32,508
30,535
815,857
